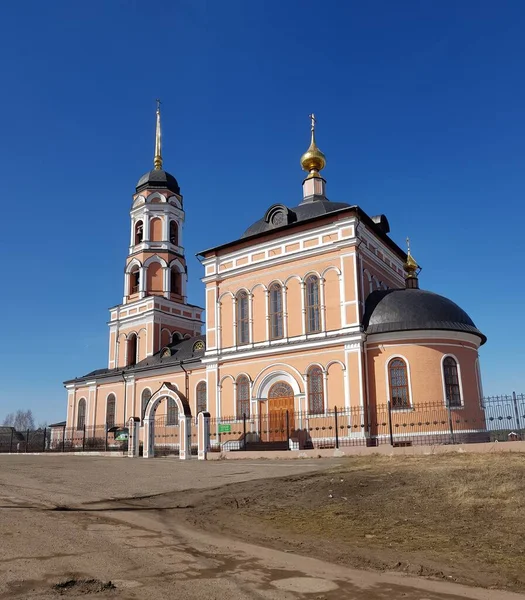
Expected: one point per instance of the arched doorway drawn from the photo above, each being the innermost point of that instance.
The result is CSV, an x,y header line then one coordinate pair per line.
x,y
280,412
173,429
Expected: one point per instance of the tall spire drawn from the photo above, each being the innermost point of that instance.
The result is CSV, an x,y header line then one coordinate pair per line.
x,y
157,161
411,269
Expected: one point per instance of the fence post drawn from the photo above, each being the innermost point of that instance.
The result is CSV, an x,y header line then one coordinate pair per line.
x,y
64,439
450,422
27,441
391,432
515,402
84,438
44,443
106,437
244,429
11,441
336,428
288,429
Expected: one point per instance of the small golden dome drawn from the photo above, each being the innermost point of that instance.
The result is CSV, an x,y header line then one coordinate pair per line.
x,y
411,267
313,160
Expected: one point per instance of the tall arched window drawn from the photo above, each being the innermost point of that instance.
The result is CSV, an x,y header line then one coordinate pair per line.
x,y
202,404
174,233
172,413
176,337
145,398
313,322
175,281
451,377
398,380
276,311
111,407
81,414
132,349
243,325
315,390
139,232
243,397
134,280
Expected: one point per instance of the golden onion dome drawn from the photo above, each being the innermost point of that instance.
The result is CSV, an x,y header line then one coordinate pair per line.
x,y
411,266
313,160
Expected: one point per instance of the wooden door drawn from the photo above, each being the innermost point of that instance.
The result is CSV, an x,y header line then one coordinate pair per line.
x,y
280,402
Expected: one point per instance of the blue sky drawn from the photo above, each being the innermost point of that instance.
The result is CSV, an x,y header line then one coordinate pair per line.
x,y
420,108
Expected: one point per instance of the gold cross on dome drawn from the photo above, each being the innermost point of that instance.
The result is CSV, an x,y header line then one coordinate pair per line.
x,y
158,103
313,119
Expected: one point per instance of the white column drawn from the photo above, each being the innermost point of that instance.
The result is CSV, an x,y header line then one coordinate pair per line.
x,y
142,281
145,220
347,394
267,311
325,390
149,433
303,306
218,339
132,239
342,299
285,312
165,228
323,303
167,281
250,318
234,305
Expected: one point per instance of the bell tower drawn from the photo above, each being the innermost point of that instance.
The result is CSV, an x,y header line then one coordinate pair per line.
x,y
154,310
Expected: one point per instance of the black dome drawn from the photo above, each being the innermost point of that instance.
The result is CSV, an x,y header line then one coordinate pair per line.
x,y
305,210
413,309
157,178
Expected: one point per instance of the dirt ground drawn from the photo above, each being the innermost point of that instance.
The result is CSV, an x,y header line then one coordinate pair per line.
x,y
128,529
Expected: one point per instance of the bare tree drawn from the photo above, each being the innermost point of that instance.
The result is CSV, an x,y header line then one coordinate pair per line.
x,y
21,420
9,420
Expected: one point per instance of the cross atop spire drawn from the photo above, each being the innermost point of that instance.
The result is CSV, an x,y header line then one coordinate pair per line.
x,y
157,160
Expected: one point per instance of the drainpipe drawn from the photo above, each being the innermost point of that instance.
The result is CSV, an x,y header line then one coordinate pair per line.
x,y
187,382
125,395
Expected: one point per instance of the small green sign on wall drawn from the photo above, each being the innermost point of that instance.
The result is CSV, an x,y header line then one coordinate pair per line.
x,y
225,428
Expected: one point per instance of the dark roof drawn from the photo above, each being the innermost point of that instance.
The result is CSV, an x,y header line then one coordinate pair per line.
x,y
157,178
60,424
302,212
179,352
413,309
379,226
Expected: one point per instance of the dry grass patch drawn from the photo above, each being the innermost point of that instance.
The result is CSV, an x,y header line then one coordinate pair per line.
x,y
454,516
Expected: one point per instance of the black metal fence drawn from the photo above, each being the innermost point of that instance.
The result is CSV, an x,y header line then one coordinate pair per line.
x,y
64,439
497,418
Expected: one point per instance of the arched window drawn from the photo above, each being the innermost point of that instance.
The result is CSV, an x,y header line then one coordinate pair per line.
x,y
145,398
81,414
398,380
132,349
313,322
111,407
139,232
176,337
172,413
243,397
243,331
451,377
281,389
134,280
276,311
202,404
174,233
315,390
175,281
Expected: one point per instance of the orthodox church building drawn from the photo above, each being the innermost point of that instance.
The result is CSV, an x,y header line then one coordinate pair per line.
x,y
313,307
